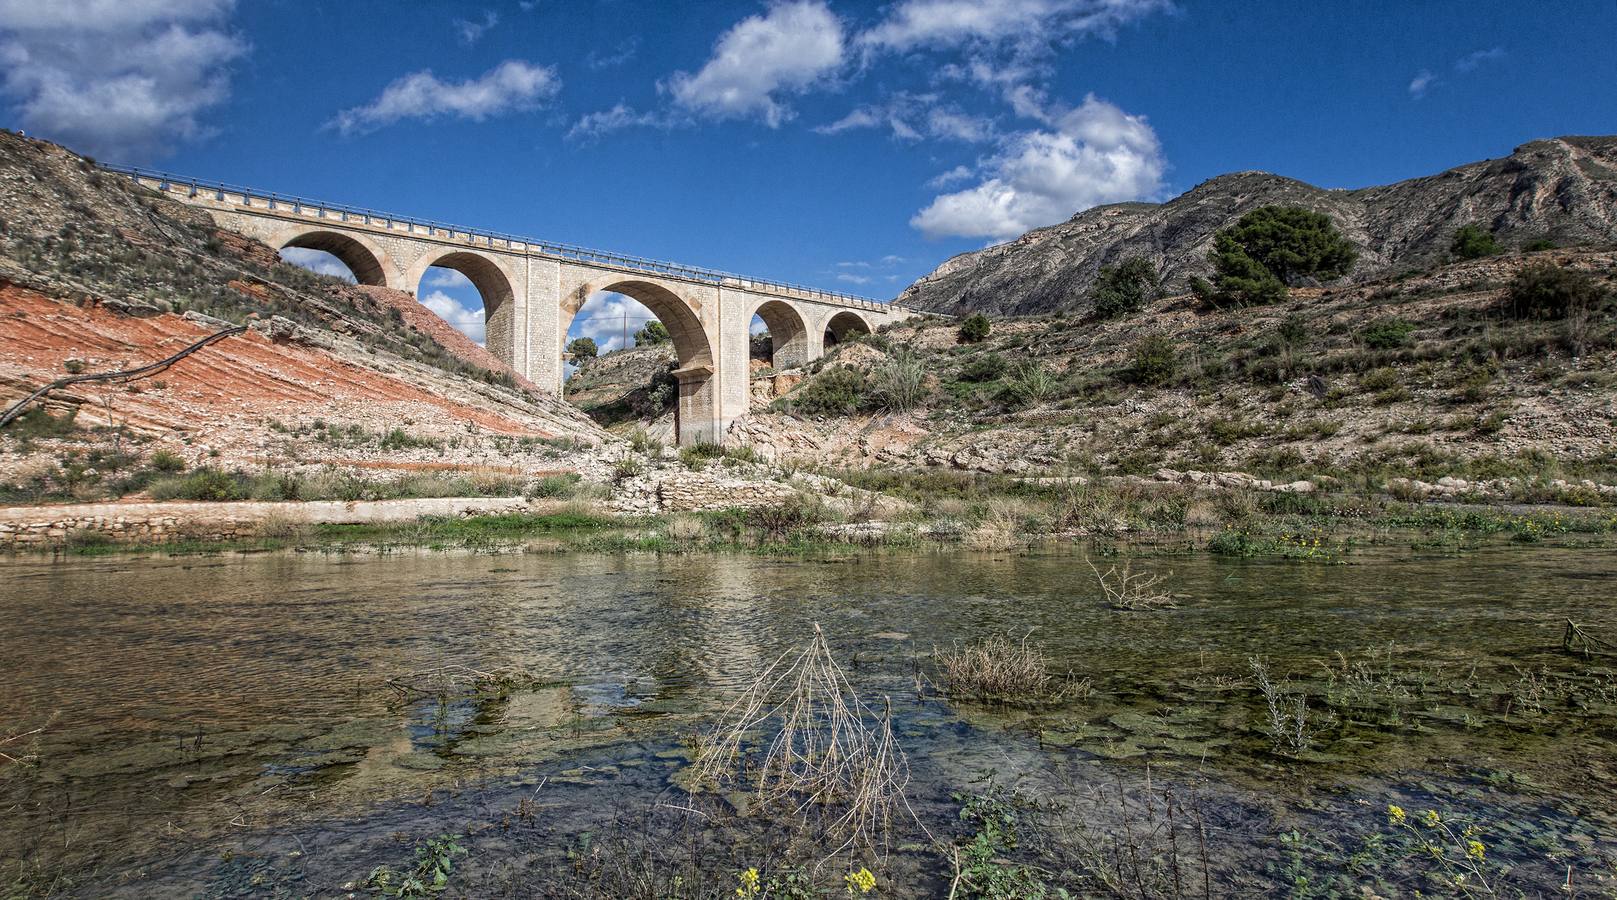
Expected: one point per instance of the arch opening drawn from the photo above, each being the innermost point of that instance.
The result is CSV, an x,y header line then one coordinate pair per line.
x,y
319,262
788,334
361,263
472,293
616,315
844,326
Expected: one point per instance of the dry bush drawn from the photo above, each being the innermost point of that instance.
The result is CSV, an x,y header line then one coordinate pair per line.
x,y
1001,526
803,743
1127,589
1287,710
998,669
277,526
686,528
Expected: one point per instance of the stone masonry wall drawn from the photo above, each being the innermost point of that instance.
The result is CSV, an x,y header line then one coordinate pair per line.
x,y
41,527
678,490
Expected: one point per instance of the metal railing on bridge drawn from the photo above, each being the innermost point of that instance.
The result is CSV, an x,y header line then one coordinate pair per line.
x,y
492,239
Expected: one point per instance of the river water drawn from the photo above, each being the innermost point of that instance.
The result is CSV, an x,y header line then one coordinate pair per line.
x,y
225,725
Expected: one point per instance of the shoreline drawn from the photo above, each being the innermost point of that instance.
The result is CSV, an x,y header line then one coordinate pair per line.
x,y
1325,528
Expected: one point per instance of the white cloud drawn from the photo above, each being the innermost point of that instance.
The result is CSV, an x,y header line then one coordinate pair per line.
x,y
606,318
443,277
619,117
1093,154
471,31
852,278
1474,60
318,261
1424,80
511,86
912,117
1421,83
123,78
788,49
466,320
953,176
624,52
945,23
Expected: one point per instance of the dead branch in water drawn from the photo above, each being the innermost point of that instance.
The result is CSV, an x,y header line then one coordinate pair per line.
x,y
1127,589
454,679
830,755
1576,640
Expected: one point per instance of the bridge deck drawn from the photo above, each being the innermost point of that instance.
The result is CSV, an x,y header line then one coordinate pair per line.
x,y
360,217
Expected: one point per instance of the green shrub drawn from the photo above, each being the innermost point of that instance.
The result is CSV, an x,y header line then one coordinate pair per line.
x,y
975,329
653,334
627,467
989,367
839,390
39,423
1386,334
1156,360
399,439
1029,384
1471,242
779,520
1537,244
1272,247
554,486
206,483
898,383
582,348
1547,291
1122,289
696,456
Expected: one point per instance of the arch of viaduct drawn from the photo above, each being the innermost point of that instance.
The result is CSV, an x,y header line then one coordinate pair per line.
x,y
532,290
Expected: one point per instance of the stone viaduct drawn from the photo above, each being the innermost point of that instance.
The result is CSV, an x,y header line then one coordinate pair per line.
x,y
532,289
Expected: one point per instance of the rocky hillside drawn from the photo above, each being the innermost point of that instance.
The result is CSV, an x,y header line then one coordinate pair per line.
x,y
1420,376
98,274
1562,190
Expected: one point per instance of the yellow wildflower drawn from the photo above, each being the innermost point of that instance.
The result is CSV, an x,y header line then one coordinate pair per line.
x,y
749,882
1430,817
1395,814
1476,850
862,881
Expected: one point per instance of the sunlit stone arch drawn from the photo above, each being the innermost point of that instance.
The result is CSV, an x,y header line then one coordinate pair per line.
x,y
495,283
363,257
788,333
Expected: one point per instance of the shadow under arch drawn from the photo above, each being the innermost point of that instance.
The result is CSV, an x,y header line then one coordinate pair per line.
x,y
788,333
362,259
845,325
696,415
494,284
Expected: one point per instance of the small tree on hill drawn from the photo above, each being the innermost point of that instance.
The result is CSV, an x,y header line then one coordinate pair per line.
x,y
1270,248
1547,291
1122,289
1471,242
582,348
975,329
653,334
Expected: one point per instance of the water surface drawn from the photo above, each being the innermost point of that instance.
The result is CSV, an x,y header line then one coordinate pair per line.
x,y
203,711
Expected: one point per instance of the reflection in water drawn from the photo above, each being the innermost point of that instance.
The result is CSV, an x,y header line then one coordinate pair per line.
x,y
190,698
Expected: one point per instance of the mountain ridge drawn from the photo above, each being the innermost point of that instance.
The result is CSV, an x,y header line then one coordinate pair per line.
x,y
1560,189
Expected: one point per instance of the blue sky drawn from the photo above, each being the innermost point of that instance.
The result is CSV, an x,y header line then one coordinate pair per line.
x,y
842,144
